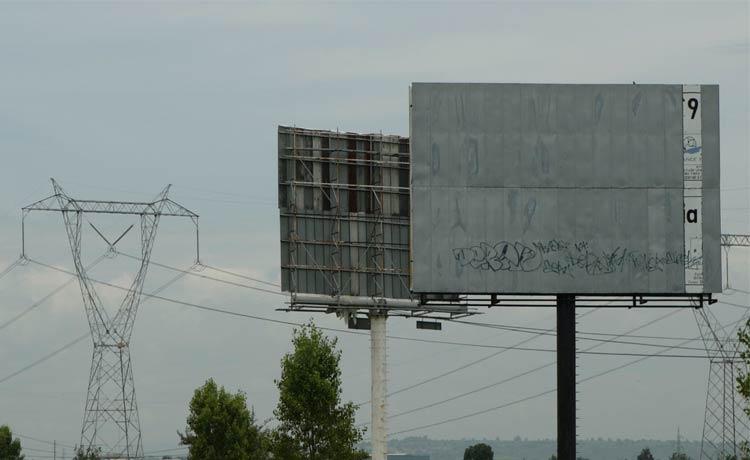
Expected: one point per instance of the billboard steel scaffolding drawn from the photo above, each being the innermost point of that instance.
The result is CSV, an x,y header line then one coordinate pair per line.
x,y
345,249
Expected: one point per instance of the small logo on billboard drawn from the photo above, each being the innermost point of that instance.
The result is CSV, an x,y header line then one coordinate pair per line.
x,y
690,145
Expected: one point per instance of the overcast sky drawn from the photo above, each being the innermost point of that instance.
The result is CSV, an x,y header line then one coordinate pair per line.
x,y
116,100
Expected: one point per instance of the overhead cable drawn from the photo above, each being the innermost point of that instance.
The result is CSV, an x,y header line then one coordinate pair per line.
x,y
528,398
75,341
536,369
48,296
219,280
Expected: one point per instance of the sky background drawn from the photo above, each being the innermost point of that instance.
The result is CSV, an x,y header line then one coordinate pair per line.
x,y
116,100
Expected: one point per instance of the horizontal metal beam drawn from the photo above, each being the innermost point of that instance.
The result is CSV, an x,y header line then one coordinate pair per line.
x,y
374,137
345,243
331,269
343,186
389,164
170,208
426,312
584,300
354,301
347,216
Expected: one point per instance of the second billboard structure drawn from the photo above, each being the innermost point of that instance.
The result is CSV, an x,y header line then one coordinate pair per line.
x,y
585,189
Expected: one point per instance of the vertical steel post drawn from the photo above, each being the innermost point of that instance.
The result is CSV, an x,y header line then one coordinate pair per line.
x,y
566,377
378,374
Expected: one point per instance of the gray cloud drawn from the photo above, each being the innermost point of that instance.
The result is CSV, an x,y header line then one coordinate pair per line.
x,y
118,99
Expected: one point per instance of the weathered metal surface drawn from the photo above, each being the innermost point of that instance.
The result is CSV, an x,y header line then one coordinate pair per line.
x,y
344,208
522,188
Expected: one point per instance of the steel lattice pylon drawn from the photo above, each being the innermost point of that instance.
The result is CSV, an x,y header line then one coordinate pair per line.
x,y
111,420
726,426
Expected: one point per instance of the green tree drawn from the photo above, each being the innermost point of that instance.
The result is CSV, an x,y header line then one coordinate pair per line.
x,y
220,426
645,454
90,453
479,451
679,456
10,449
313,422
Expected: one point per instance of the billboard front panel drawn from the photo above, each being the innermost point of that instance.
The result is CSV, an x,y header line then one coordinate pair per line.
x,y
522,188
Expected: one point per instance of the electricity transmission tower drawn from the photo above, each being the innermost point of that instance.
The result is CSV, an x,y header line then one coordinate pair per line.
x,y
725,425
110,421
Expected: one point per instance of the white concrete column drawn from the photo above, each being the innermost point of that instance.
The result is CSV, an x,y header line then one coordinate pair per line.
x,y
378,398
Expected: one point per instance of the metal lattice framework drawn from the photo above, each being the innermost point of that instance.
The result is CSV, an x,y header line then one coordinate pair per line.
x,y
735,240
344,208
111,421
726,426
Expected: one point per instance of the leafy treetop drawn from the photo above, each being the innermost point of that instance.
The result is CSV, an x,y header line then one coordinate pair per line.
x,y
10,449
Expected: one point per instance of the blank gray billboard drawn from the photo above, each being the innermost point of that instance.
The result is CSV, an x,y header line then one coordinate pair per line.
x,y
547,188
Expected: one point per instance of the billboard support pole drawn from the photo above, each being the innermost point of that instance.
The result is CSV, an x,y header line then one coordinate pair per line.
x,y
566,377
378,375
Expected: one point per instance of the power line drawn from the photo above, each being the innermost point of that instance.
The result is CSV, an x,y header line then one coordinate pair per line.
x,y
413,339
530,329
46,451
51,443
536,369
548,331
554,334
462,367
294,324
10,268
184,272
77,340
528,398
239,275
512,328
219,280
291,323
474,414
660,354
48,296
550,350
503,349
45,357
204,307
498,326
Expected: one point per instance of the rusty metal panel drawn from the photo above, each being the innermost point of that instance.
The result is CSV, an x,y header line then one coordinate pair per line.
x,y
543,189
343,227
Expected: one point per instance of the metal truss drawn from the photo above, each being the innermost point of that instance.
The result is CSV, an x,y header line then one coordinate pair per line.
x,y
347,186
726,426
582,300
727,242
735,240
111,421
